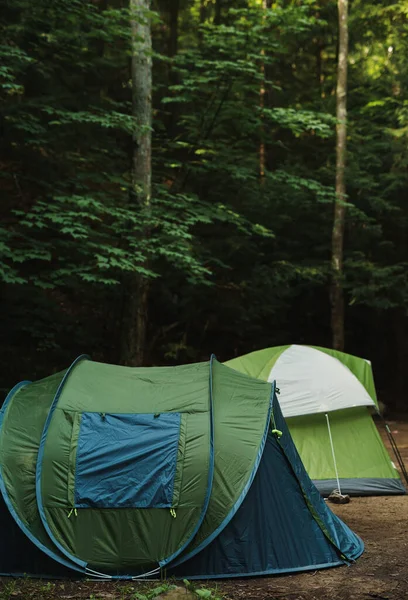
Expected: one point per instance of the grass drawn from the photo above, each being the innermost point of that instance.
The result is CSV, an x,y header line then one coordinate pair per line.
x,y
34,589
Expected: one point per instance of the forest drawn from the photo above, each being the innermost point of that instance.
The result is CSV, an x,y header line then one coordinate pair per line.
x,y
200,218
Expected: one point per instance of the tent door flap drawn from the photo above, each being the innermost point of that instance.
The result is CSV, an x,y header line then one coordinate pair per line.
x,y
126,460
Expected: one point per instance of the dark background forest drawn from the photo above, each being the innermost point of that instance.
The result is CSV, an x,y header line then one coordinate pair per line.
x,y
236,241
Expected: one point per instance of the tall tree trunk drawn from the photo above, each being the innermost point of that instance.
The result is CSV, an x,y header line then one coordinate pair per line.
x,y
201,20
262,142
174,9
137,286
202,12
319,68
319,61
217,16
266,4
173,12
337,293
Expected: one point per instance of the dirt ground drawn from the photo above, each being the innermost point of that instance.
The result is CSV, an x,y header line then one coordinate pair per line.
x,y
380,573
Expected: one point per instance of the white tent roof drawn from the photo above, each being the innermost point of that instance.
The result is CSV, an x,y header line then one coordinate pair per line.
x,y
312,382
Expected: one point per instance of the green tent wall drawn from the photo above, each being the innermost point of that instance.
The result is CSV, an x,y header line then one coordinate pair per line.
x,y
341,386
121,472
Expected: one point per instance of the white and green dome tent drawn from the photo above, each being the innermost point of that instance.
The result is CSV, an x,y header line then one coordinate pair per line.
x,y
328,399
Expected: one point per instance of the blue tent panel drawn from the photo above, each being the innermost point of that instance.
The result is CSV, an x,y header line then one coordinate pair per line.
x,y
273,531
342,536
282,526
126,460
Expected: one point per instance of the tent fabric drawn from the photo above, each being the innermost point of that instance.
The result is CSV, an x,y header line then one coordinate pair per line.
x,y
335,530
322,383
360,367
361,486
18,458
351,429
19,556
116,471
329,382
256,541
258,364
126,460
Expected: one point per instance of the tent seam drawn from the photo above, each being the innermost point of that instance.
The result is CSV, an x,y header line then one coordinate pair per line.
x,y
76,561
316,517
244,492
165,562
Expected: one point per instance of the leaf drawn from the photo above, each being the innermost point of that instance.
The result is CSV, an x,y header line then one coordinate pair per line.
x,y
203,593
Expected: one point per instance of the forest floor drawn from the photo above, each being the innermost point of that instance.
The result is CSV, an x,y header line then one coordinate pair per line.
x,y
380,574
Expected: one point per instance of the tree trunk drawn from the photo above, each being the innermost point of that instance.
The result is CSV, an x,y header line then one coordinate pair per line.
x,y
266,4
201,20
173,12
337,294
135,307
262,142
202,12
319,69
174,9
217,17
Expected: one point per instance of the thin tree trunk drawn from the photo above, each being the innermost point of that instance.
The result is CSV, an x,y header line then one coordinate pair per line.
x,y
337,293
319,61
172,46
266,4
134,322
217,17
174,9
202,12
319,68
262,106
201,20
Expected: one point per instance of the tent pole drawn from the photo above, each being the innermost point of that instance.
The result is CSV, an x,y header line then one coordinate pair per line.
x,y
334,456
396,450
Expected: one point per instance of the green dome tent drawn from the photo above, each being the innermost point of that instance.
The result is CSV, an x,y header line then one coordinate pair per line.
x,y
328,398
127,472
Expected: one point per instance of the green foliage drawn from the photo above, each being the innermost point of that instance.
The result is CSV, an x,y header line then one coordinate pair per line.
x,y
8,591
69,214
154,592
40,590
204,593
237,260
